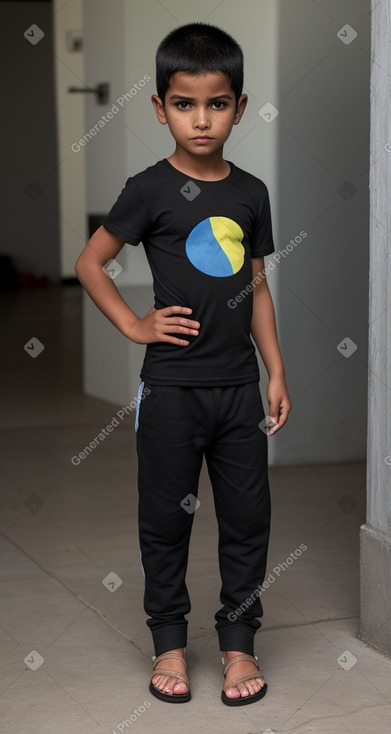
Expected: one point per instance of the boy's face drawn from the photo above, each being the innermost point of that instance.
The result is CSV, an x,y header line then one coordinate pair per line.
x,y
202,105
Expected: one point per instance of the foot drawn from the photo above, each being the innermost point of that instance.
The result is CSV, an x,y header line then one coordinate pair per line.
x,y
248,687
170,684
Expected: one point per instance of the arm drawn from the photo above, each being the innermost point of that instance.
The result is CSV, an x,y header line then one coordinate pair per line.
x,y
264,333
155,326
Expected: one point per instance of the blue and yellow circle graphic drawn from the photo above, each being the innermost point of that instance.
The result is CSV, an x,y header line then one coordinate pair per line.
x,y
215,247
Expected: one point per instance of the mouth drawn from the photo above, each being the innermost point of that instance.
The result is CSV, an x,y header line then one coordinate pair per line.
x,y
202,138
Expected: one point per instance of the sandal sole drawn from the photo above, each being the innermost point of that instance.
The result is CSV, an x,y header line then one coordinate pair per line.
x,y
169,697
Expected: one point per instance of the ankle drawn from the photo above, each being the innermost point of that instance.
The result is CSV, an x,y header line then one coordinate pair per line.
x,y
180,650
232,653
229,654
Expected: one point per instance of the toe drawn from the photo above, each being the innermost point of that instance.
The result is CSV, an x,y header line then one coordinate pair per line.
x,y
244,691
232,693
175,686
168,684
253,687
180,688
160,681
169,687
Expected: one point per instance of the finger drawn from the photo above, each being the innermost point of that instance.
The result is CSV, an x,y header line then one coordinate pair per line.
x,y
283,419
175,309
274,424
174,340
181,321
176,328
273,427
274,411
284,412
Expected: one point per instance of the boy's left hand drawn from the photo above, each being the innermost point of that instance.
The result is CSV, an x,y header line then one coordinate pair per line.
x,y
279,404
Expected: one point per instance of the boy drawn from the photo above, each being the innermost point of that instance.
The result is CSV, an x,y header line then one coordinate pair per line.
x,y
205,225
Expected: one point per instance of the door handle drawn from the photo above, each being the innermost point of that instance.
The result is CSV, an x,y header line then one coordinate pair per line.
x,y
101,90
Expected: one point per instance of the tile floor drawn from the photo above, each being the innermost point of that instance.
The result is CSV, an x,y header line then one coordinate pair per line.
x,y
76,656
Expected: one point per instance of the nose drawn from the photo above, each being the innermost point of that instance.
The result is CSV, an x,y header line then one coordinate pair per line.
x,y
201,119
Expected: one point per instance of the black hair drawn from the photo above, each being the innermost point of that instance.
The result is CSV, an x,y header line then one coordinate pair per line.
x,y
195,48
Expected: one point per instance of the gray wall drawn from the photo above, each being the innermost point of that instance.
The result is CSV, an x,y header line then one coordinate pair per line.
x,y
375,535
323,123
29,229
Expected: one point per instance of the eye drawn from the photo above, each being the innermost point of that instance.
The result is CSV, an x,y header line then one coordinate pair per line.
x,y
182,102
220,102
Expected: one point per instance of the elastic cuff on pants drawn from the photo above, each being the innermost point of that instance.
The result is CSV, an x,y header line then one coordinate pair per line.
x,y
237,637
169,638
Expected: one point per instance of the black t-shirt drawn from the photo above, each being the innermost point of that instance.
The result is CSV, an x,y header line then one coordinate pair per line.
x,y
199,238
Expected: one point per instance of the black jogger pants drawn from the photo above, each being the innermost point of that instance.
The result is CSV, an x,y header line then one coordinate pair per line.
x,y
176,427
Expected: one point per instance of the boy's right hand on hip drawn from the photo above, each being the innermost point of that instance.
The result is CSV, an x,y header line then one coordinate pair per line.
x,y
159,325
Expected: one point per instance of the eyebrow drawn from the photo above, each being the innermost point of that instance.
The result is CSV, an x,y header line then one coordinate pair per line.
x,y
192,99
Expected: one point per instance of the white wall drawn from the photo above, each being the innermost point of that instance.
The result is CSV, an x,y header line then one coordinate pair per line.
x,y
105,37
294,59
108,34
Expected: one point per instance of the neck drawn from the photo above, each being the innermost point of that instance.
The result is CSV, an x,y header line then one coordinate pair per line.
x,y
208,168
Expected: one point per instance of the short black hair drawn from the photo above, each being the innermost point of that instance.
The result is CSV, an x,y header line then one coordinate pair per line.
x,y
195,48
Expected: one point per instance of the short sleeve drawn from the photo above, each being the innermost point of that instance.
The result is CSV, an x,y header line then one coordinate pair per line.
x,y
262,237
128,217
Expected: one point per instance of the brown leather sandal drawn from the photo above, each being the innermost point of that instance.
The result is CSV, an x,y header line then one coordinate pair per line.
x,y
243,700
170,697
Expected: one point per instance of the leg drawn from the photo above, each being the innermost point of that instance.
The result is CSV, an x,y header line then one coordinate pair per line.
x,y
237,464
170,456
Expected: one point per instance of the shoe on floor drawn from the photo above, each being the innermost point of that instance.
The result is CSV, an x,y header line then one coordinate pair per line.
x,y
242,700
170,697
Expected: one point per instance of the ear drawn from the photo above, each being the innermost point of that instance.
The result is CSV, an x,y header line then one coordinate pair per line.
x,y
241,106
159,109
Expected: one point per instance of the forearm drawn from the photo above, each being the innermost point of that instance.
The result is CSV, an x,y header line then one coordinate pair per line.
x,y
103,292
264,332
157,326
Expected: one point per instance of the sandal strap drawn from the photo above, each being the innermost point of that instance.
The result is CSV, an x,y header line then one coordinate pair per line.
x,y
172,674
168,656
243,656
234,682
167,671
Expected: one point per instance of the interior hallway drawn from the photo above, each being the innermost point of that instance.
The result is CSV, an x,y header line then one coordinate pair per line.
x,y
76,655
